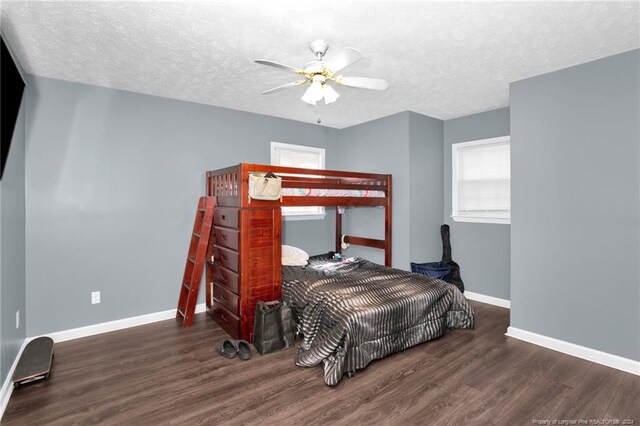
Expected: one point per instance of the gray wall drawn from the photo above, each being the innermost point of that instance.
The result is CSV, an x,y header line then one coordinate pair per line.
x,y
409,146
481,249
113,176
12,248
379,146
425,187
575,233
112,182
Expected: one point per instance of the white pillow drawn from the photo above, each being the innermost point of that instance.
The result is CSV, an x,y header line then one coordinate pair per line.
x,y
291,251
293,261
293,256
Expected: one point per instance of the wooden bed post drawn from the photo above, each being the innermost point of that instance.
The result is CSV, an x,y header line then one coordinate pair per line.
x,y
388,223
338,231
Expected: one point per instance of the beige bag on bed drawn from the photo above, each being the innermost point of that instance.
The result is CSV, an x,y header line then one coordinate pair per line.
x,y
265,186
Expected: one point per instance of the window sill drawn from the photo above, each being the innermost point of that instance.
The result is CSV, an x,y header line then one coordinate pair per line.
x,y
495,220
304,216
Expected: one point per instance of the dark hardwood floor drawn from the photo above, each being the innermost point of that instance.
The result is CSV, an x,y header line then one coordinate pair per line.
x,y
162,374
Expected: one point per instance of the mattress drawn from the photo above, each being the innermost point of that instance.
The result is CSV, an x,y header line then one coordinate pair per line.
x,y
314,192
352,312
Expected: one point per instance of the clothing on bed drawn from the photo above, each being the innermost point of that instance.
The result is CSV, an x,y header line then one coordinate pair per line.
x,y
354,311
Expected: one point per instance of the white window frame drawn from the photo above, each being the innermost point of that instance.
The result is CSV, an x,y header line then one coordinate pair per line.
x,y
455,148
299,213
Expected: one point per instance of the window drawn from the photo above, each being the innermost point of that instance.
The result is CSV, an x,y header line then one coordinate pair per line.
x,y
288,155
481,187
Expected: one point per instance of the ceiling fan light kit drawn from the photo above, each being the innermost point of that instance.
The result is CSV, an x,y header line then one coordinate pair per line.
x,y
320,89
319,73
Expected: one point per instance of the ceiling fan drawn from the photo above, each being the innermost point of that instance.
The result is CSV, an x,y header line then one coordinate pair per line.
x,y
319,73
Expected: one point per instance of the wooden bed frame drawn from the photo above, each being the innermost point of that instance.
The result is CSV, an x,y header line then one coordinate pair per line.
x,y
244,263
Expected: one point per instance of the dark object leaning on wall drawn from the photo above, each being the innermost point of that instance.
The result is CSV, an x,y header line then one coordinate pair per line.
x,y
454,276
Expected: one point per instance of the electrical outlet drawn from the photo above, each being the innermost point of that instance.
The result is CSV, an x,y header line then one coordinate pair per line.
x,y
17,319
95,297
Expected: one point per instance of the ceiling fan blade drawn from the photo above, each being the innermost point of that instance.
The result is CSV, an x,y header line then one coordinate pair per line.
x,y
363,82
279,65
284,86
343,59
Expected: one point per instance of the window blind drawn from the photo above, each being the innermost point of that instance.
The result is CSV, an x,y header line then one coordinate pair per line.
x,y
483,180
288,155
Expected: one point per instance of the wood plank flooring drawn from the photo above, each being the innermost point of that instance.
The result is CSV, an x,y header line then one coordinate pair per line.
x,y
162,374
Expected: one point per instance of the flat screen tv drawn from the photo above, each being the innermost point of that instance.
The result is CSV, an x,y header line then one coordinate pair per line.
x,y
11,88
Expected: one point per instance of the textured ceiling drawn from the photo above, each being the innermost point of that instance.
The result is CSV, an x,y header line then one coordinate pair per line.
x,y
442,59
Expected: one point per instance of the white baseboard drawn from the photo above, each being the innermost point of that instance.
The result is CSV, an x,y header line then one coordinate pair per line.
x,y
90,330
105,327
7,386
593,355
503,303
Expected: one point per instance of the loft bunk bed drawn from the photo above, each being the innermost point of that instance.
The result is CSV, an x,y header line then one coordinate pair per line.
x,y
349,311
244,252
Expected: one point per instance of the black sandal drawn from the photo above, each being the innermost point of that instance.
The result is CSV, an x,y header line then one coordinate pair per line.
x,y
243,349
226,348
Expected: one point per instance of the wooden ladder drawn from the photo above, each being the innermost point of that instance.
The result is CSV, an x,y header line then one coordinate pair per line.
x,y
195,260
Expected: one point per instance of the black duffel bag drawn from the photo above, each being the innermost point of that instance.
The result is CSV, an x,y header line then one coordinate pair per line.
x,y
272,327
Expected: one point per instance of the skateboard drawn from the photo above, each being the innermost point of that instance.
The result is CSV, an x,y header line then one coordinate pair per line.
x,y
35,362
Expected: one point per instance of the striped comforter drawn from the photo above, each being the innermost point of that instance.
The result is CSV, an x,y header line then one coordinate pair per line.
x,y
354,311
